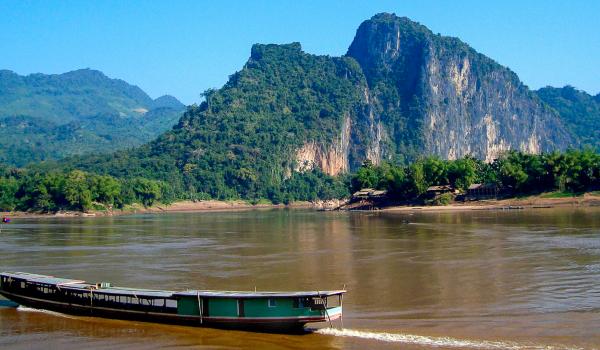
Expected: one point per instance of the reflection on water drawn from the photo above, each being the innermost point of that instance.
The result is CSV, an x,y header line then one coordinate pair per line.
x,y
515,278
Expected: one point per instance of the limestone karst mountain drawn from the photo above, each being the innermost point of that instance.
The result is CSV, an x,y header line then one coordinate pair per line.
x,y
400,92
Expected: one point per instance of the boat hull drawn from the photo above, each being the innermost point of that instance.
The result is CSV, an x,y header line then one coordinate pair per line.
x,y
263,324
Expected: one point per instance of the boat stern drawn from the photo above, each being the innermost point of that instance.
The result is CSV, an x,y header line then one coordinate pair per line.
x,y
333,313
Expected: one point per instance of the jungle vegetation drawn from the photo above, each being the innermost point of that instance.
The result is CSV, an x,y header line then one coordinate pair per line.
x,y
573,171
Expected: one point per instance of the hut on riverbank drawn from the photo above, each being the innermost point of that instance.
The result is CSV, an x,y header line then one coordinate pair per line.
x,y
366,199
482,191
436,191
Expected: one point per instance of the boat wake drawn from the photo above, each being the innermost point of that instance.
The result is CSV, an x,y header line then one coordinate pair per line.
x,y
445,342
47,312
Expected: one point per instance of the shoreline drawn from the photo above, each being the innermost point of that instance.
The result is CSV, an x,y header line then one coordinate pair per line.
x,y
532,202
176,207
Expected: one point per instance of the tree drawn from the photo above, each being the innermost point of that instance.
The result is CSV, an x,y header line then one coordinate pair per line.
x,y
417,183
398,185
146,191
462,172
77,191
8,190
105,189
511,172
435,171
366,177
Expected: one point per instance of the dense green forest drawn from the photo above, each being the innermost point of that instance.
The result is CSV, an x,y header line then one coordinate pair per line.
x,y
54,116
25,139
579,111
51,191
574,171
75,190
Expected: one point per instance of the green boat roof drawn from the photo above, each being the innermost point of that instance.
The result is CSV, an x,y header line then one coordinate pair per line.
x,y
249,294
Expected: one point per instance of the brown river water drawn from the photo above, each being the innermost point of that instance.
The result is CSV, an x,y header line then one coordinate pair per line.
x,y
521,279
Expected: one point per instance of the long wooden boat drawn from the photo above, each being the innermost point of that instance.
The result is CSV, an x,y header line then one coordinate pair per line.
x,y
268,311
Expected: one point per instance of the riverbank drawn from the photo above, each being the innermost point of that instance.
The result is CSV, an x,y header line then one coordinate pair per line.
x,y
545,200
183,206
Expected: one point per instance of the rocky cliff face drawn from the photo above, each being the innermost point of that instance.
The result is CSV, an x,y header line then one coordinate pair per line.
x,y
436,95
359,139
332,159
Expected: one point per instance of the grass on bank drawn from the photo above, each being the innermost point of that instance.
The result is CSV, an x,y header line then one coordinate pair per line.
x,y
560,194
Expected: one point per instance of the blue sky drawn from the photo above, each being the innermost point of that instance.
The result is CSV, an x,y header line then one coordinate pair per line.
x,y
184,47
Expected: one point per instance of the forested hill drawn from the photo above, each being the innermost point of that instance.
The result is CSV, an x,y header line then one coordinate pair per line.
x,y
289,120
579,110
53,116
242,141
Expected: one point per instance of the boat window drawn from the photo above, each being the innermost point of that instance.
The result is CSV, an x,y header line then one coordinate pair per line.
x,y
272,303
318,303
300,303
334,301
44,289
171,303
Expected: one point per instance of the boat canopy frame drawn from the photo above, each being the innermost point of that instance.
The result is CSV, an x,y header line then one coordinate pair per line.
x,y
82,286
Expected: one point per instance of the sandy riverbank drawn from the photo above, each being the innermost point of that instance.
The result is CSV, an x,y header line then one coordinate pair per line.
x,y
586,200
214,205
183,206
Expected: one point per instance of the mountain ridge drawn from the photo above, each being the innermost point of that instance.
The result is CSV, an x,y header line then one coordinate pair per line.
x,y
579,110
51,116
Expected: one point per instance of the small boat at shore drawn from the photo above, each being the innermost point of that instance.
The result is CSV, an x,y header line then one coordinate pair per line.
x,y
264,311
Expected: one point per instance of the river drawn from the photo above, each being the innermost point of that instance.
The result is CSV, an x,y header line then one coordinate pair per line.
x,y
519,279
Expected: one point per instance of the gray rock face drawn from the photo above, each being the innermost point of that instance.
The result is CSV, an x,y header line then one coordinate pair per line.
x,y
436,95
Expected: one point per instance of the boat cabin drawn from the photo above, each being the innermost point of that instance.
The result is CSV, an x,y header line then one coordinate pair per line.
x,y
257,304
